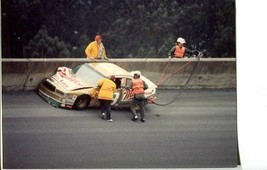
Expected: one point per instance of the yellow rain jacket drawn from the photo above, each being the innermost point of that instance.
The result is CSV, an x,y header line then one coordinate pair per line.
x,y
95,50
107,89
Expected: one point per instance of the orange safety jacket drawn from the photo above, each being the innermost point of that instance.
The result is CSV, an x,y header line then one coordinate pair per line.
x,y
107,89
138,86
179,52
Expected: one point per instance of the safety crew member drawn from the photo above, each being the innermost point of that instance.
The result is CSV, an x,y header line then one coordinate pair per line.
x,y
179,50
105,96
96,49
138,86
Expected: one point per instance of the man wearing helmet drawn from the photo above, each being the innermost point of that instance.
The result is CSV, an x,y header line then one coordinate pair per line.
x,y
179,50
138,86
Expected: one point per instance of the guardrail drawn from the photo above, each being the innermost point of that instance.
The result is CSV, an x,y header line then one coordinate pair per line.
x,y
26,74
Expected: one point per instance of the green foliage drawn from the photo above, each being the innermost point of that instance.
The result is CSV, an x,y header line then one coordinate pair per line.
x,y
130,28
44,46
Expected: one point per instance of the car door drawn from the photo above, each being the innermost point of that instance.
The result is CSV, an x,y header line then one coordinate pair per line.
x,y
116,97
118,92
127,94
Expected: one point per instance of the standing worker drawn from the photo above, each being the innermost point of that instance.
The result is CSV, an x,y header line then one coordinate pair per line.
x,y
105,96
96,49
179,50
138,86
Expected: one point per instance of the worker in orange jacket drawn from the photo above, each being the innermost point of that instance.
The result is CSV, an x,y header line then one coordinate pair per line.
x,y
179,50
96,49
138,87
105,96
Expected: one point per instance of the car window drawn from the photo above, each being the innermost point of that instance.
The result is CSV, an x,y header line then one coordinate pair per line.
x,y
87,74
74,70
118,83
128,82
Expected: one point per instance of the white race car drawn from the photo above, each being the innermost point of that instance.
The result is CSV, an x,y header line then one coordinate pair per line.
x,y
77,87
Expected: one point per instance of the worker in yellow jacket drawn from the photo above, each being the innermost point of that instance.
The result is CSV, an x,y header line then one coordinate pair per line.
x,y
105,96
96,49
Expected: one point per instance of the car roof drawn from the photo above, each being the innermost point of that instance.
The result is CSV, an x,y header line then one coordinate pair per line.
x,y
108,69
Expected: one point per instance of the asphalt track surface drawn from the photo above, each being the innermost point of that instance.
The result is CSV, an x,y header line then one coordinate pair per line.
x,y
199,130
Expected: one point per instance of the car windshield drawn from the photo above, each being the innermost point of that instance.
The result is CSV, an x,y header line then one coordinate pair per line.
x,y
87,74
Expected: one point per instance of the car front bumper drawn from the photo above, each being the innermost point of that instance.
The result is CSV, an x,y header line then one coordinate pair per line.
x,y
52,101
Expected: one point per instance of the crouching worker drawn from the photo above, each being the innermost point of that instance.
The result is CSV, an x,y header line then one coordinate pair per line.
x,y
105,96
138,86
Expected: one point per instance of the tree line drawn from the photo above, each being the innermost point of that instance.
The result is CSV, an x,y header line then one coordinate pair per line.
x,y
130,28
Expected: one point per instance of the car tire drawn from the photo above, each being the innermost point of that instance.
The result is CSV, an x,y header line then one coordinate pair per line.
x,y
82,102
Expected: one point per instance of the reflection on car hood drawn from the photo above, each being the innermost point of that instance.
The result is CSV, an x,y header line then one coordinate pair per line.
x,y
108,69
65,78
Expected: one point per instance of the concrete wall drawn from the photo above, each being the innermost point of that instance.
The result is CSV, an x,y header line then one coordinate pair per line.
x,y
26,74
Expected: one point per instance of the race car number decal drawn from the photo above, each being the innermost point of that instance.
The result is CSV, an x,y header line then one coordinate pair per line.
x,y
127,95
115,98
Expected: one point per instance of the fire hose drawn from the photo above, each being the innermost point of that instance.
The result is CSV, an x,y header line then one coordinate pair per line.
x,y
161,79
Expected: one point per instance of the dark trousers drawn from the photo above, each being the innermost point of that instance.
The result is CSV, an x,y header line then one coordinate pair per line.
x,y
138,102
106,108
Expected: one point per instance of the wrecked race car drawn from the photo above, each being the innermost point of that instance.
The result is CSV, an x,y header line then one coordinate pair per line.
x,y
77,88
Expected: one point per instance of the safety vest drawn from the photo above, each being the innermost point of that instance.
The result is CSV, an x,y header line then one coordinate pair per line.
x,y
138,86
107,89
179,52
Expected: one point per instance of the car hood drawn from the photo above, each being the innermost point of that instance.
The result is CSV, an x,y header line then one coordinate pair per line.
x,y
65,78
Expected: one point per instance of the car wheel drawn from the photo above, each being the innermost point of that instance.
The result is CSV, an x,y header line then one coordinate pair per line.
x,y
82,102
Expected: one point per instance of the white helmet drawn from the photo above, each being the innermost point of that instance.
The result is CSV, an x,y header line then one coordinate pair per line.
x,y
136,74
181,40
